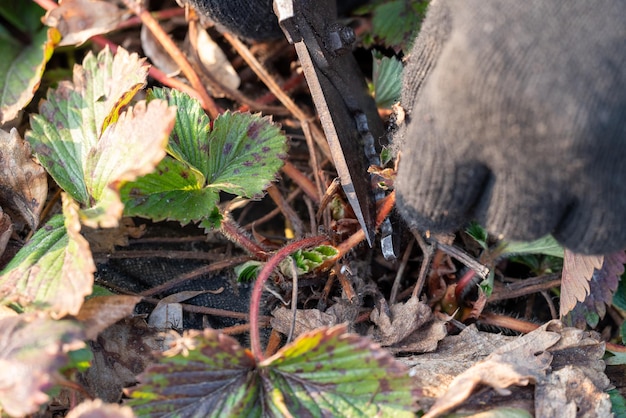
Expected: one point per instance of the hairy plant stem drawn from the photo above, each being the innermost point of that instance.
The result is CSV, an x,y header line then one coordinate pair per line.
x,y
238,236
264,274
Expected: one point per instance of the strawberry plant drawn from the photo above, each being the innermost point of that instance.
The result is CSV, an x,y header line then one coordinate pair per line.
x,y
162,158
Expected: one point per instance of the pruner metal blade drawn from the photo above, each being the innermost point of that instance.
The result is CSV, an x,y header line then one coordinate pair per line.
x,y
348,114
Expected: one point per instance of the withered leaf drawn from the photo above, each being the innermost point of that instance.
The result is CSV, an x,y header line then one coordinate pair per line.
x,y
79,20
98,409
168,314
32,349
23,182
306,320
570,393
577,271
121,352
6,229
100,312
407,327
519,362
602,286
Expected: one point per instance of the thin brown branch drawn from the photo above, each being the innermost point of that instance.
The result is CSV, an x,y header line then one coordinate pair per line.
x,y
290,215
177,55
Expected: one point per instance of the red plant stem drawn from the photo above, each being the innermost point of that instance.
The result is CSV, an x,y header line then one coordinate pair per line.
x,y
264,274
235,234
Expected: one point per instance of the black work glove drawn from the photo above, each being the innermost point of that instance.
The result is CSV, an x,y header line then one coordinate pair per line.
x,y
517,118
252,19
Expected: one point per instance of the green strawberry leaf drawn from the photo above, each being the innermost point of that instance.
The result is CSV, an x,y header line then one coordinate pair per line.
x,y
248,271
207,375
237,153
387,79
173,191
325,372
245,153
53,272
397,22
308,260
546,245
189,141
22,64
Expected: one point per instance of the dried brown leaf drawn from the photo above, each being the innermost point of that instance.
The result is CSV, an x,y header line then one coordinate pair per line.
x,y
407,327
100,312
214,60
519,362
98,409
570,393
32,350
158,55
6,229
577,271
583,349
79,20
105,240
23,183
306,320
121,352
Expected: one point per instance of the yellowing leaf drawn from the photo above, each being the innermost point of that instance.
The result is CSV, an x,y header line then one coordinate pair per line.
x,y
131,147
53,272
76,113
31,352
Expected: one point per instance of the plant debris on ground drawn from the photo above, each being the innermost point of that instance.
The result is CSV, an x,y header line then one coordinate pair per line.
x,y
174,242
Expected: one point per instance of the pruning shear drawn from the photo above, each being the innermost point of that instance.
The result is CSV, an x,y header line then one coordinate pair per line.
x,y
347,112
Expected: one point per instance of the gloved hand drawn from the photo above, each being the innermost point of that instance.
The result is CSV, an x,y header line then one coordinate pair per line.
x,y
517,118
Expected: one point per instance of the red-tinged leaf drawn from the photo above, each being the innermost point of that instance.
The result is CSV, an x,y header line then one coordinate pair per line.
x,y
602,287
22,63
23,183
210,375
53,272
79,20
75,114
577,272
99,312
130,148
31,352
98,409
327,372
